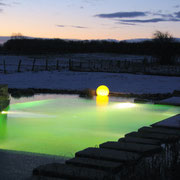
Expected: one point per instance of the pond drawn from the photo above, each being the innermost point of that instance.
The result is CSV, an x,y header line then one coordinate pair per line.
x,y
64,124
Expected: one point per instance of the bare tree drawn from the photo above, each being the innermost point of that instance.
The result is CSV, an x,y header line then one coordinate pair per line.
x,y
162,37
165,49
17,36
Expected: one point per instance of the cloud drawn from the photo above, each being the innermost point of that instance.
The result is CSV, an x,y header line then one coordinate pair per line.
x,y
122,14
60,25
154,20
138,17
129,24
72,26
81,27
177,14
177,6
3,4
162,15
16,3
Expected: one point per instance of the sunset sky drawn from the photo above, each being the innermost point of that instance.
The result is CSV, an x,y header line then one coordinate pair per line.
x,y
89,19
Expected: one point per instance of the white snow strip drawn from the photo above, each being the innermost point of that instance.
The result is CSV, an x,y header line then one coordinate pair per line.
x,y
127,83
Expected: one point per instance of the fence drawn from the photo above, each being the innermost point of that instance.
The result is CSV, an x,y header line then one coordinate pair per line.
x,y
135,67
34,65
113,66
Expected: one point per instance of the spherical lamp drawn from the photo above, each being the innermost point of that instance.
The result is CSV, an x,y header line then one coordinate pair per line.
x,y
102,91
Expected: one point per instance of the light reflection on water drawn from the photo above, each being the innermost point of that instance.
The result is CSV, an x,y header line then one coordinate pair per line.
x,y
65,124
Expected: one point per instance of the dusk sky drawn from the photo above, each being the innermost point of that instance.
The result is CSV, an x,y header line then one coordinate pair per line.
x,y
89,19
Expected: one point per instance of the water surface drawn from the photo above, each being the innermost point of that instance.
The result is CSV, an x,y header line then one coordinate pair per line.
x,y
64,124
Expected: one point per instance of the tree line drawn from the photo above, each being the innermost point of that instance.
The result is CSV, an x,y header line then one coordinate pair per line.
x,y
162,46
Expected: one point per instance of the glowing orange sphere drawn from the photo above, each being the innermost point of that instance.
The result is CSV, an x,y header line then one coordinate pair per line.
x,y
102,91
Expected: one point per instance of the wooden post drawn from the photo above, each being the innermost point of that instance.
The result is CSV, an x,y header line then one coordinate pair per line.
x,y
70,64
33,66
89,65
46,64
80,65
57,65
19,66
4,63
110,66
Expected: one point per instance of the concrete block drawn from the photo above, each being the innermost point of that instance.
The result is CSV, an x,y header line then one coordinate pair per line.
x,y
139,140
109,155
132,147
172,122
160,130
109,166
164,138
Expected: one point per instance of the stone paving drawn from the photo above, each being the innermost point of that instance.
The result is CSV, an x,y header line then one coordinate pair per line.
x,y
19,165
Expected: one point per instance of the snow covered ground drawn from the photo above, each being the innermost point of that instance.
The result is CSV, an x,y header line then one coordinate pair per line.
x,y
67,80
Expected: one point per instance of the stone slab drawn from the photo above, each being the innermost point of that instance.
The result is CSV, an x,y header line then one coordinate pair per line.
x,y
109,155
170,101
44,178
164,138
172,122
95,163
70,172
132,147
139,140
160,130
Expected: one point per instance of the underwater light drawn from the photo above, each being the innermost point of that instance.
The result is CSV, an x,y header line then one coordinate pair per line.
x,y
102,91
124,105
27,114
4,112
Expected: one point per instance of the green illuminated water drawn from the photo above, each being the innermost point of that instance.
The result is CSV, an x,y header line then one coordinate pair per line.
x,y
62,124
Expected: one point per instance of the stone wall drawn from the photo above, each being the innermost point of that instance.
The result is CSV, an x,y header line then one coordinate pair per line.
x,y
4,97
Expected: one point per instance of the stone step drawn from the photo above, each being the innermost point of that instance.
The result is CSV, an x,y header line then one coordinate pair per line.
x,y
139,140
70,172
172,122
95,163
145,150
160,130
109,155
164,138
43,178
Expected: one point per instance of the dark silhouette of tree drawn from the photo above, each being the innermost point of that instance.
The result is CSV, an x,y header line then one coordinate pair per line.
x,y
17,36
161,47
159,36
165,49
1,48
